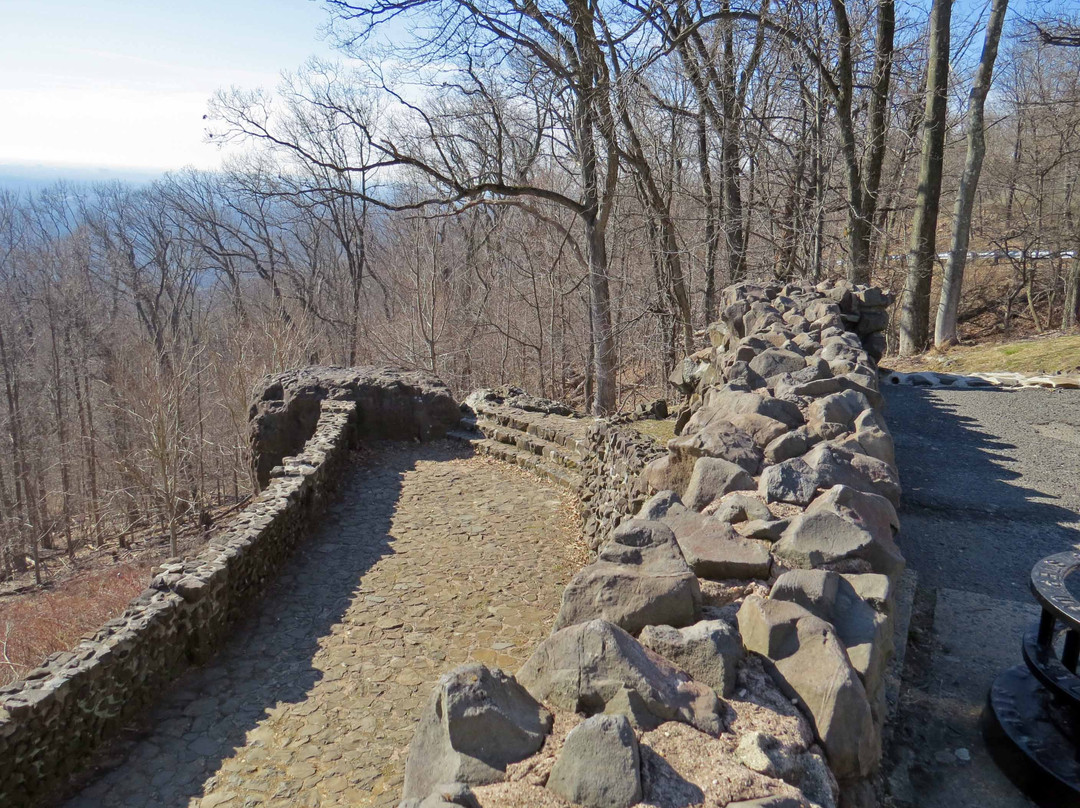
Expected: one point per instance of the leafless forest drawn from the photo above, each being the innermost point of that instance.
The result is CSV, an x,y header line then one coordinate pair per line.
x,y
504,192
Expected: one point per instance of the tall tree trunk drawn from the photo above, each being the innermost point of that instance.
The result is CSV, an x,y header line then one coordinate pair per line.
x,y
711,217
603,335
730,168
863,180
1070,315
596,201
915,308
61,432
878,121
952,283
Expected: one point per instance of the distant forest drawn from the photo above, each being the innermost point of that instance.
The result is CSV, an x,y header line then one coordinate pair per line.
x,y
549,195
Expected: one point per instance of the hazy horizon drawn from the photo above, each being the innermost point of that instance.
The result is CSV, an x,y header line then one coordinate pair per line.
x,y
105,90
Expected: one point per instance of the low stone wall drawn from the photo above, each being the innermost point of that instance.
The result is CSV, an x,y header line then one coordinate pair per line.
x,y
53,721
613,490
392,405
749,567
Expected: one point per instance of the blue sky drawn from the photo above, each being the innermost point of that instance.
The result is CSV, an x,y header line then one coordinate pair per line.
x,y
124,83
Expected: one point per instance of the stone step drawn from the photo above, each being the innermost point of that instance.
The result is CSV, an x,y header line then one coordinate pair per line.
x,y
524,458
562,430
530,442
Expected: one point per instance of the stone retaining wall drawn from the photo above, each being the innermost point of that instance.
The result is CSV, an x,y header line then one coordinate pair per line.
x,y
612,490
53,721
750,567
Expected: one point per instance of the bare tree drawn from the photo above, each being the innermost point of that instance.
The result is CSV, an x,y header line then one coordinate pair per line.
x,y
915,305
953,279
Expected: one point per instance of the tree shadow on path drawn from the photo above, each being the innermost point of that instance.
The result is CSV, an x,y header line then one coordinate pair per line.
x,y
986,495
969,518
268,662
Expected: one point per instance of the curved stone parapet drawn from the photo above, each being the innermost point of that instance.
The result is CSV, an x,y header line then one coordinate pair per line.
x,y
733,628
304,424
391,404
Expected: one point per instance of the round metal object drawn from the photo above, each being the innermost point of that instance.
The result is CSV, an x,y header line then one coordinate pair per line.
x,y
1048,586
1042,660
1032,737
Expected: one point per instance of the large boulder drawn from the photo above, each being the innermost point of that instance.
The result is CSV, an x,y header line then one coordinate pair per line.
x,y
797,385
599,765
596,667
723,440
836,466
843,524
775,361
711,547
839,408
864,380
865,630
720,404
712,478
791,481
710,651
789,445
668,472
740,373
826,465
639,579
476,722
873,436
761,428
810,662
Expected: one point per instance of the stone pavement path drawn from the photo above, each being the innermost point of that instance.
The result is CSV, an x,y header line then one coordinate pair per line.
x,y
991,485
431,558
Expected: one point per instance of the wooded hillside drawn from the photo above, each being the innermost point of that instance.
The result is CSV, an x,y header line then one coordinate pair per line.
x,y
501,191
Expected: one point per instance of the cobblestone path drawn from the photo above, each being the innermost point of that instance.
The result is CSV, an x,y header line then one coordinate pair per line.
x,y
431,558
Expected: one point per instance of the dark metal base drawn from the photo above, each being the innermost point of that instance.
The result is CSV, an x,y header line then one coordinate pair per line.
x,y
1033,738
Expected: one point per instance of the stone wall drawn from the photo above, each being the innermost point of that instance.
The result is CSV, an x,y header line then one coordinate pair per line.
x,y
612,489
393,404
53,721
749,567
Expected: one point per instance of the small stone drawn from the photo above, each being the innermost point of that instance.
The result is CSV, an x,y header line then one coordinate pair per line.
x,y
963,755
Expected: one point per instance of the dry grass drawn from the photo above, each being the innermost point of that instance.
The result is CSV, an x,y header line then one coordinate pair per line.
x,y
661,431
1031,356
38,624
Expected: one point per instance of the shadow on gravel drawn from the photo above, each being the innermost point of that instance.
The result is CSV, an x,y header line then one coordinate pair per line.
x,y
971,530
206,715
965,522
